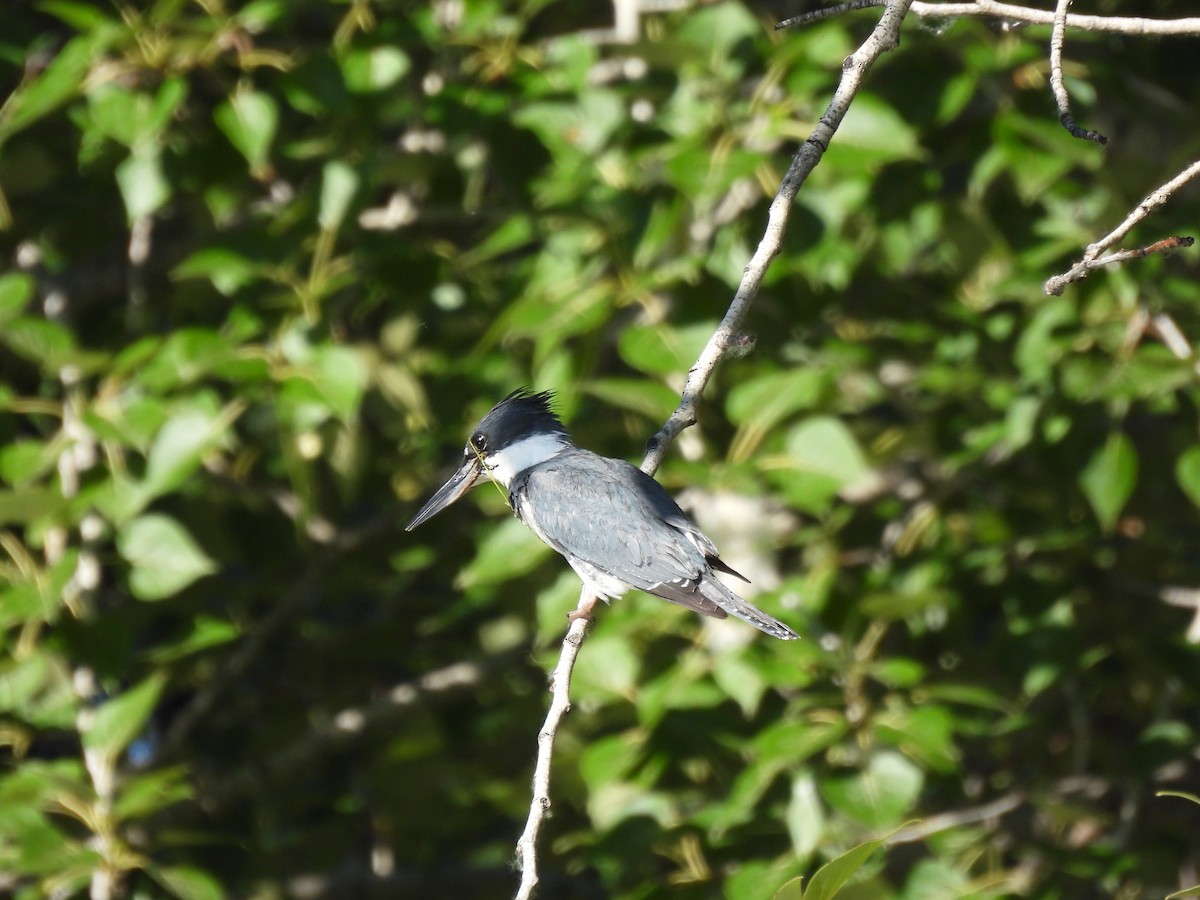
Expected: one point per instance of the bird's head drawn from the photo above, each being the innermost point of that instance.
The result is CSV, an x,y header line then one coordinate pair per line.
x,y
518,432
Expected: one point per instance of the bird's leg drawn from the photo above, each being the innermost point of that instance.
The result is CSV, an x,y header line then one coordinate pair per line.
x,y
583,610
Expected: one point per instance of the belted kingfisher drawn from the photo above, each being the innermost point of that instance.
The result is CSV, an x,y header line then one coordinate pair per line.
x,y
616,526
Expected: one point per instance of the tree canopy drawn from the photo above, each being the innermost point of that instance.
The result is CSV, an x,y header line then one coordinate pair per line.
x,y
267,262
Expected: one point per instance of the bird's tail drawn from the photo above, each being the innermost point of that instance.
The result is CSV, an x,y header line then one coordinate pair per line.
x,y
719,594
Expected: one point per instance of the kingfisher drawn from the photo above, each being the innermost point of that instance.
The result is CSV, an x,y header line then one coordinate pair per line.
x,y
618,528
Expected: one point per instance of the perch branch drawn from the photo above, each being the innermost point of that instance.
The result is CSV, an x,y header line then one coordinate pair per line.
x,y
1092,256
1057,86
560,705
884,37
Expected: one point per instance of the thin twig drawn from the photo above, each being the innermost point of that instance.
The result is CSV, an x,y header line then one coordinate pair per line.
x,y
560,705
727,338
1165,246
1092,255
919,831
1021,15
827,12
1057,86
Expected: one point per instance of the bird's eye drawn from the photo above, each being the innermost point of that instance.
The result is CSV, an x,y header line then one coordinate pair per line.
x,y
479,442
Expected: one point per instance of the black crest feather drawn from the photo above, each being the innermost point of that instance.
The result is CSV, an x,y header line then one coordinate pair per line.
x,y
520,414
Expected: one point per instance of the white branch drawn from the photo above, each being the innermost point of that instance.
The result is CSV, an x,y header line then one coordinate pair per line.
x,y
1020,15
1112,24
1061,99
884,37
1092,256
560,705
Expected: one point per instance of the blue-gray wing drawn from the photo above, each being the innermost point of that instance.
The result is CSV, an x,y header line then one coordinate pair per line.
x,y
616,518
621,522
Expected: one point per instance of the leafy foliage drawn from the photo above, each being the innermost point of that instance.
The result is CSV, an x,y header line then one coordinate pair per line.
x,y
268,261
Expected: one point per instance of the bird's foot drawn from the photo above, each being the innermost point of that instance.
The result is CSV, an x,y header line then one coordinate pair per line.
x,y
587,603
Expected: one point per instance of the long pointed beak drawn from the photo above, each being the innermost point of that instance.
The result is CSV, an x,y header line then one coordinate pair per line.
x,y
460,482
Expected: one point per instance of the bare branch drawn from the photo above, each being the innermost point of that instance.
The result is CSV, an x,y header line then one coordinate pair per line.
x,y
560,685
1061,99
1092,255
1166,246
725,340
1020,15
988,9
885,36
945,821
827,12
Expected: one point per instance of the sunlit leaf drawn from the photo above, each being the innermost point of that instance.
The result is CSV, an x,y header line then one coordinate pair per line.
x,y
249,119
164,558
1187,473
836,873
143,186
374,69
16,290
805,816
338,184
881,794
1109,477
118,720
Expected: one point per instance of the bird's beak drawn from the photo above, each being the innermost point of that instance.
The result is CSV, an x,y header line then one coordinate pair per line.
x,y
460,482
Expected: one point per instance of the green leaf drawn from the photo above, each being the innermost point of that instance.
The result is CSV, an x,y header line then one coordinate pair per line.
x,y
1187,473
40,341
1182,795
187,882
144,188
118,720
227,269
367,70
61,80
1109,478
662,349
881,793
22,461
164,557
338,184
340,376
16,290
805,816
822,458
835,874
80,16
611,667
741,680
249,120
180,446
649,398
873,131
152,791
509,549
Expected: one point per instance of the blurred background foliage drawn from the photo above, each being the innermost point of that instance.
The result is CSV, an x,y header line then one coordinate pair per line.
x,y
266,262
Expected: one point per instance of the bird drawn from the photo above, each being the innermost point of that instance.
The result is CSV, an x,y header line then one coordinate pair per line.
x,y
617,527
